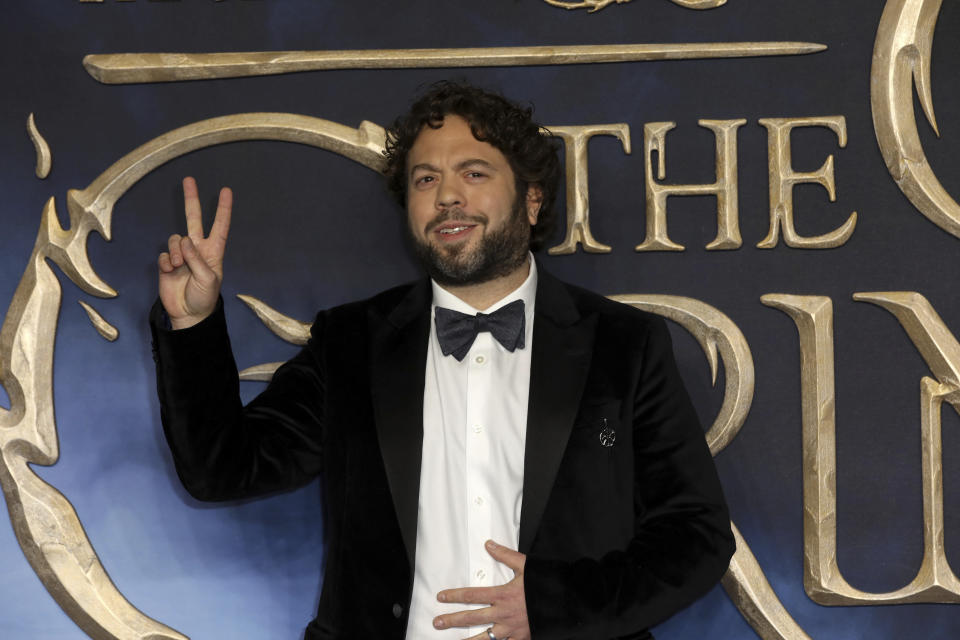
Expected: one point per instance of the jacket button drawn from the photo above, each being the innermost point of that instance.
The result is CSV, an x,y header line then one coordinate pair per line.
x,y
397,610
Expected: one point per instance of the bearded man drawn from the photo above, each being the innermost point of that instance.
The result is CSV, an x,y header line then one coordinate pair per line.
x,y
504,456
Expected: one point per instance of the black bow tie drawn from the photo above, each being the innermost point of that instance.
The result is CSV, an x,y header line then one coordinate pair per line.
x,y
456,331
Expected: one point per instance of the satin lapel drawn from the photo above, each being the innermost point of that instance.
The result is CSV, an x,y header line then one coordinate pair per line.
x,y
397,367
562,350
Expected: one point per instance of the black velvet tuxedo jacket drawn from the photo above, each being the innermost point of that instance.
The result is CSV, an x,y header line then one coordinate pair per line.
x,y
617,537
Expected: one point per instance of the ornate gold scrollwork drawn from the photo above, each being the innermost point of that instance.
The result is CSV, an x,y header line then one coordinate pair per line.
x,y
44,521
46,525
104,328
902,56
44,157
592,6
813,315
282,326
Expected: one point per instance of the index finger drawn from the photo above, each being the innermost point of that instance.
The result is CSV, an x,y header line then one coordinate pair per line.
x,y
191,208
221,222
510,557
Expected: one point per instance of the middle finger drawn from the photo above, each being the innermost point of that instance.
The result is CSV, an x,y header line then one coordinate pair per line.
x,y
469,618
191,207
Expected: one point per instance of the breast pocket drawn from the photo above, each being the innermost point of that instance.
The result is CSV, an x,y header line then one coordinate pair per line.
x,y
595,442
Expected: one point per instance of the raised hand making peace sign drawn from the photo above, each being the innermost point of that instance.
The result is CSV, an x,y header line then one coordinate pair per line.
x,y
191,269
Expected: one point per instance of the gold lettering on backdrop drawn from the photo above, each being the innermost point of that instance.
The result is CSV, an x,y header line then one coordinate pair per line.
x,y
813,315
724,188
575,140
123,68
902,57
783,179
45,523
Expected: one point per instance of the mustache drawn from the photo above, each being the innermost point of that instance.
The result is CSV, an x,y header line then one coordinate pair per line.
x,y
454,214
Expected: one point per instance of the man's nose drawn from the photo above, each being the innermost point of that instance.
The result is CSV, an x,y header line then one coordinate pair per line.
x,y
449,195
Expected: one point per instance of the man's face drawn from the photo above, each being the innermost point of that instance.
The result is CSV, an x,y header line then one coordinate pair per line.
x,y
467,224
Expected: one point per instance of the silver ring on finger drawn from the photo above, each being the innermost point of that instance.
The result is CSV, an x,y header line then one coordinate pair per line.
x,y
490,634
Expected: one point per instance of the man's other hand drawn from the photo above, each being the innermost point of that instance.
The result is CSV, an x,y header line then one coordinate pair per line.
x,y
507,614
191,269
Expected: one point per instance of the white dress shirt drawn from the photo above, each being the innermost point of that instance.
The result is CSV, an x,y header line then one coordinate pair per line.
x,y
471,474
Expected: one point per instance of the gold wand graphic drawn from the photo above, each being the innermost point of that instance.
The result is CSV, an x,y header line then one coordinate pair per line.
x,y
127,68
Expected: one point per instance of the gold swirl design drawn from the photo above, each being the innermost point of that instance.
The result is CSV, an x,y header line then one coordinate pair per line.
x,y
44,156
104,328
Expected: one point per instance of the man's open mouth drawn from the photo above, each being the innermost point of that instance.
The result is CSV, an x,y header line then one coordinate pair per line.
x,y
451,231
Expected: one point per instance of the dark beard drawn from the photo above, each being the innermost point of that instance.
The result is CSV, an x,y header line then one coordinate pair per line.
x,y
499,253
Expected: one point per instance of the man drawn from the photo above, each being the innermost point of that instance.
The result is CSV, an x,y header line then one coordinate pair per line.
x,y
503,455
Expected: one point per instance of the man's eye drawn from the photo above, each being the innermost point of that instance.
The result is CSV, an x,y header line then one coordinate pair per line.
x,y
423,180
475,174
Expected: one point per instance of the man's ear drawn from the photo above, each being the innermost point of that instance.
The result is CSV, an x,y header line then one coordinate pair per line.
x,y
534,201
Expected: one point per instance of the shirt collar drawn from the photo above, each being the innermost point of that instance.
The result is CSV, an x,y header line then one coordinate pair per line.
x,y
526,292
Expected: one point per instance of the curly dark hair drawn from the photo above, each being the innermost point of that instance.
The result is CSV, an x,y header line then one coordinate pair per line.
x,y
493,119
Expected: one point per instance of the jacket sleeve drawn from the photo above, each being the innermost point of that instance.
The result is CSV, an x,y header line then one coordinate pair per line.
x,y
682,542
221,449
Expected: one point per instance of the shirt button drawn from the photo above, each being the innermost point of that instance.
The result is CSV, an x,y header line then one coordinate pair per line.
x,y
397,610
481,575
478,501
480,359
477,428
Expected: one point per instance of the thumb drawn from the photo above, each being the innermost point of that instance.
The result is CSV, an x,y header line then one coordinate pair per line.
x,y
513,559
